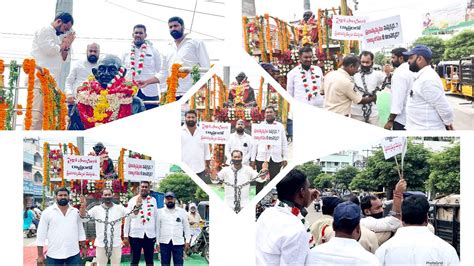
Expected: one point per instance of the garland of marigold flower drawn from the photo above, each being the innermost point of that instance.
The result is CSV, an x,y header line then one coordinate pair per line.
x,y
246,36
172,82
29,66
54,102
61,173
3,105
121,165
44,90
192,103
268,37
45,163
320,33
222,92
208,102
260,38
278,31
2,69
62,111
260,94
214,88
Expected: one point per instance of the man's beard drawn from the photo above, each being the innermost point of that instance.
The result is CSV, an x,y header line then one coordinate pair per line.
x,y
239,130
270,120
92,59
305,67
414,67
396,63
139,42
377,215
190,123
366,69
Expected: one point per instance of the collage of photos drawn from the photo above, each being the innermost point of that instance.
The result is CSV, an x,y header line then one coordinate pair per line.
x,y
396,202
89,201
134,117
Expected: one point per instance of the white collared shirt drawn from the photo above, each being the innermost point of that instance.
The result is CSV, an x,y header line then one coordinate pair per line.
x,y
244,174
281,238
277,153
402,82
63,232
134,226
427,106
173,225
416,245
190,52
79,73
340,251
373,80
152,65
115,212
194,152
295,85
242,143
388,223
45,50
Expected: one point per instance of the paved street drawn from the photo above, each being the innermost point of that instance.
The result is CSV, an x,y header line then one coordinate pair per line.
x,y
312,215
463,112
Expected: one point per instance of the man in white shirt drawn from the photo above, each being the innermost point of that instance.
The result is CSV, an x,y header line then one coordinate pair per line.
x,y
194,153
184,50
140,231
61,225
414,243
343,249
304,82
427,106
173,231
107,212
402,82
282,238
241,141
237,175
81,71
372,209
50,50
273,155
142,63
367,82
321,228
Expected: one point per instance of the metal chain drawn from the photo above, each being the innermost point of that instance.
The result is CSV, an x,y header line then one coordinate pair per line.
x,y
106,222
238,188
367,108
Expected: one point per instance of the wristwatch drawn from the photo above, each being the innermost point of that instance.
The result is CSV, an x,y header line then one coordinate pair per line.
x,y
392,213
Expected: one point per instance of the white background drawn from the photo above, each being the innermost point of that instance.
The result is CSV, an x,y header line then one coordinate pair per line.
x,y
157,133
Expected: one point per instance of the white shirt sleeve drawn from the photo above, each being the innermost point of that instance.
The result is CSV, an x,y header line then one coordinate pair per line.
x,y
186,226
434,95
284,143
203,56
158,226
388,223
71,78
399,92
157,58
46,42
207,153
42,232
290,86
165,68
295,249
80,227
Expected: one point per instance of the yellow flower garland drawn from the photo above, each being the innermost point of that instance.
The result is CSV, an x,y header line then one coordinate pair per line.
x,y
268,37
29,66
260,38
172,82
245,33
260,94
100,108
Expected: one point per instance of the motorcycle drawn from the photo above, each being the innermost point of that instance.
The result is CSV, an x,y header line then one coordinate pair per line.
x,y
31,232
200,243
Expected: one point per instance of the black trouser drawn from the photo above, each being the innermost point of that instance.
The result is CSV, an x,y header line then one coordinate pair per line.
x,y
273,167
146,98
136,245
169,251
398,126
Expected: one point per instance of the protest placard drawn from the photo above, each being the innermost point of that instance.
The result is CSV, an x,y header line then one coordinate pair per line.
x,y
382,32
139,170
81,167
347,27
215,133
266,134
393,146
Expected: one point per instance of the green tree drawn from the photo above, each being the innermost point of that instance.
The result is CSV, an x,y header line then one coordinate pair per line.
x,y
380,59
323,181
385,175
181,184
445,171
344,176
311,170
460,45
363,182
436,44
201,195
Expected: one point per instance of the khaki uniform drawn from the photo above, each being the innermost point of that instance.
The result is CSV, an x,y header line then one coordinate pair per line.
x,y
339,92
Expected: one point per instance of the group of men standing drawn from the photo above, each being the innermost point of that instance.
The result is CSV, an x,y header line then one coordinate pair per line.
x,y
62,226
418,101
145,64
244,157
349,233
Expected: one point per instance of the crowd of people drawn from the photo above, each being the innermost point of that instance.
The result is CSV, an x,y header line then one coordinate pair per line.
x,y
144,63
247,161
418,101
349,232
145,226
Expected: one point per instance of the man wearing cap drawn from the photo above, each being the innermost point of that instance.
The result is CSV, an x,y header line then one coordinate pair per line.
x,y
427,105
173,231
414,244
402,82
339,88
282,237
343,248
321,228
241,141
304,82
